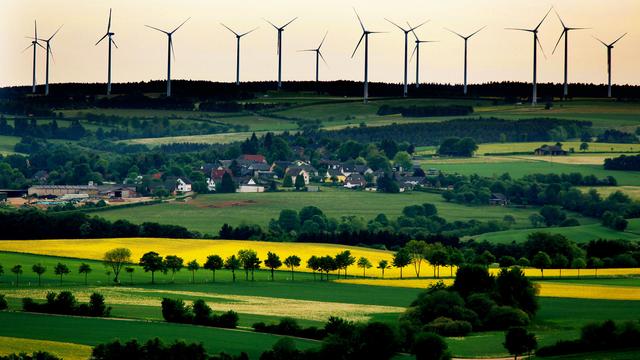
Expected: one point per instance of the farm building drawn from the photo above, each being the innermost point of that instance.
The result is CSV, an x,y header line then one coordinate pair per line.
x,y
498,199
250,186
355,180
553,150
61,190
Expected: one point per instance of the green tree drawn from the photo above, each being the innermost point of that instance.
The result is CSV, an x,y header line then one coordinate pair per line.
x,y
430,346
85,269
116,260
364,264
39,269
559,262
438,257
519,341
272,262
313,263
173,263
193,266
541,261
456,258
344,259
61,269
287,182
578,263
403,159
401,259
213,263
584,146
250,262
300,184
232,263
292,262
288,220
596,263
227,185
129,270
383,265
152,262
416,250
523,262
536,220
17,269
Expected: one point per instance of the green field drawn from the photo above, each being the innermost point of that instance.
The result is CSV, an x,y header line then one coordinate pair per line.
x,y
207,213
7,144
579,234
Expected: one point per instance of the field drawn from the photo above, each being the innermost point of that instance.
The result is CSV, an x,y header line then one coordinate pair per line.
x,y
7,143
207,213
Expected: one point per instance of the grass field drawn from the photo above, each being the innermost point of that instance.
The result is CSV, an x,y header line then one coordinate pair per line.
x,y
7,144
207,213
64,350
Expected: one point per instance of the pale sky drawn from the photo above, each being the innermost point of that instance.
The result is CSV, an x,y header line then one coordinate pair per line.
x,y
206,51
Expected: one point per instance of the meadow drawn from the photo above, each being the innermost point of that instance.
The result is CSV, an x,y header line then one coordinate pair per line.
x,y
7,143
207,213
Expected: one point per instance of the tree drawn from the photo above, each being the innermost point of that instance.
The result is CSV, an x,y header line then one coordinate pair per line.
x,y
456,258
430,346
17,269
559,262
552,215
250,261
439,257
584,146
541,261
518,341
227,185
578,263
152,262
313,263
129,270
300,184
61,270
85,269
536,220
523,262
403,159
401,259
287,182
291,262
344,260
383,265
416,250
39,269
193,266
596,263
213,263
364,264
173,263
232,263
272,262
116,259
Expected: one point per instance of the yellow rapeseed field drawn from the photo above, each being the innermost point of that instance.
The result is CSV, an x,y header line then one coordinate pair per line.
x,y
190,249
67,351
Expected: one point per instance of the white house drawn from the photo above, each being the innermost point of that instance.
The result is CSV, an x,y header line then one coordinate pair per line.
x,y
211,184
183,186
250,187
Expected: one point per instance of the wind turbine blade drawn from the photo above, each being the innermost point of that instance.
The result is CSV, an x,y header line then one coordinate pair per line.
x,y
45,49
155,28
323,39
322,57
272,24
176,29
287,24
482,28
559,18
54,34
543,19
359,20
356,49
172,50
249,32
603,43
102,38
455,33
571,29
413,32
541,49
279,45
35,29
228,28
27,48
519,29
114,43
378,32
418,25
396,25
558,43
625,34
51,52
109,23
314,50
415,48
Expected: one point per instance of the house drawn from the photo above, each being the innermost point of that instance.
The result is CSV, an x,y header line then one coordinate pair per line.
x,y
250,186
217,173
333,175
294,172
553,150
177,185
433,172
331,164
211,184
60,190
252,158
117,191
498,199
41,176
411,182
355,180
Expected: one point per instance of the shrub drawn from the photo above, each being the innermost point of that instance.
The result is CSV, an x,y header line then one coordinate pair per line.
x,y
65,303
430,346
448,327
38,355
504,317
290,327
3,303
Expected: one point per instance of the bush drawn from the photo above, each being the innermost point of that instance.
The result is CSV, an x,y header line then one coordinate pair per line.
x,y
290,327
38,355
199,313
429,346
3,303
64,303
446,327
504,317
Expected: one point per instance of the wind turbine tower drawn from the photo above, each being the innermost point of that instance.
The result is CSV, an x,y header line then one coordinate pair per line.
x,y
34,44
416,51
466,40
565,34
108,35
406,48
318,56
170,51
365,36
49,51
609,48
280,31
238,37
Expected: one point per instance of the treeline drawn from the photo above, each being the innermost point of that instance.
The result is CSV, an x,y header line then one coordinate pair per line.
x,y
623,162
155,349
482,130
199,313
65,303
36,224
48,130
425,111
617,136
606,336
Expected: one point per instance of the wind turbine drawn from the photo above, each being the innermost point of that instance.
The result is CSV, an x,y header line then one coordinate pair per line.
x,y
466,40
280,30
565,33
34,44
49,51
169,51
365,36
609,48
318,56
406,45
238,37
416,51
108,34
536,42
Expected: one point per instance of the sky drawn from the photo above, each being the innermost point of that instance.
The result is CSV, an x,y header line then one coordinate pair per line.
x,y
206,51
